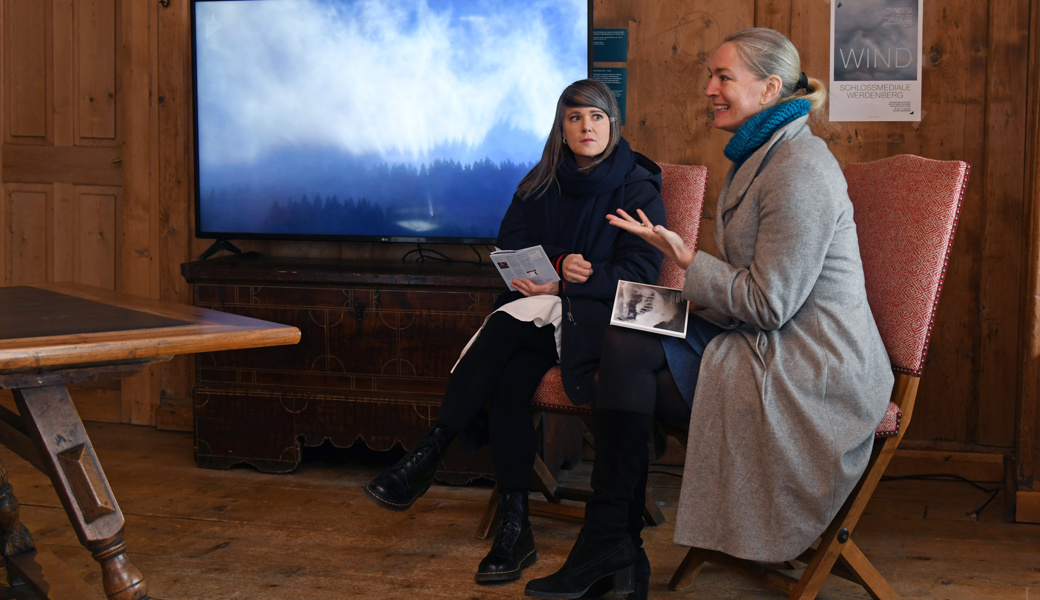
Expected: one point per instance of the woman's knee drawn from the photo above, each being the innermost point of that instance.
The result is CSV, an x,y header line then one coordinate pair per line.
x,y
501,323
623,347
618,341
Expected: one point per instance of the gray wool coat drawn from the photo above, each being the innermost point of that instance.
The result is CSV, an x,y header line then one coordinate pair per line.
x,y
788,397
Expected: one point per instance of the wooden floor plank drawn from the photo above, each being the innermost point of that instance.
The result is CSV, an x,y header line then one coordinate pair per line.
x,y
207,534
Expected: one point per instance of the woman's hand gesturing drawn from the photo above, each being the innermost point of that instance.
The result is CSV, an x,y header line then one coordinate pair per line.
x,y
658,236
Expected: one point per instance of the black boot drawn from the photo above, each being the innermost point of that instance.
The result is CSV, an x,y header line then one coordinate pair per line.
x,y
642,577
402,484
635,531
513,549
588,563
641,585
604,549
641,589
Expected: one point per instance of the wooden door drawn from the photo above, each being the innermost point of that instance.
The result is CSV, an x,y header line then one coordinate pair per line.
x,y
76,161
61,175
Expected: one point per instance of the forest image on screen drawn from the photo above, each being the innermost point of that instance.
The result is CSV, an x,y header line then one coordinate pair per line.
x,y
389,119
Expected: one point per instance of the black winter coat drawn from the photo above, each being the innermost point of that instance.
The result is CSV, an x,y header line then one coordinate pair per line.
x,y
571,219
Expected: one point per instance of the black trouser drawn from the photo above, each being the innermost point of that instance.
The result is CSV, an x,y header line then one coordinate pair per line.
x,y
501,370
634,377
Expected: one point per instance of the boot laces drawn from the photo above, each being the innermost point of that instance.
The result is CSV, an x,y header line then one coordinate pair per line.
x,y
509,528
417,456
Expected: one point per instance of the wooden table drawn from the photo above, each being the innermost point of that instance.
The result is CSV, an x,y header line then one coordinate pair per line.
x,y
52,335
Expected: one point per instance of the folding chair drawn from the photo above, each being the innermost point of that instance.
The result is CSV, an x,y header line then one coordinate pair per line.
x,y
906,211
682,189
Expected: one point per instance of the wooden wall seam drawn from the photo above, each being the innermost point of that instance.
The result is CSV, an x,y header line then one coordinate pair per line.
x,y
139,260
1027,439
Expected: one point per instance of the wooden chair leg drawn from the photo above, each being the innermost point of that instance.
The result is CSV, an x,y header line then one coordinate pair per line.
x,y
816,572
651,512
687,571
545,481
764,576
484,527
865,574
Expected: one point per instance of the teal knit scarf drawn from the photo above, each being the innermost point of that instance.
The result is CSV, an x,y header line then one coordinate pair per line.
x,y
761,127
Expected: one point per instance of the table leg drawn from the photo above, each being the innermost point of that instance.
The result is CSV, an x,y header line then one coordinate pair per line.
x,y
51,421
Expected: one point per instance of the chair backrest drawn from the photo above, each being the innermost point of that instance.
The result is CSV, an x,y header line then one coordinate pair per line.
x,y
906,210
682,189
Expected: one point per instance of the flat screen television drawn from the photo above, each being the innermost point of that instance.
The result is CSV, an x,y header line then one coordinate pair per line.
x,y
374,120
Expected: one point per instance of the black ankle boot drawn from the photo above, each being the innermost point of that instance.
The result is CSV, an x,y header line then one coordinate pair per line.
x,y
513,549
402,484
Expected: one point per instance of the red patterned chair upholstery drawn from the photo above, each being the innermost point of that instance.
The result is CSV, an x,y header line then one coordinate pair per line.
x,y
682,189
906,211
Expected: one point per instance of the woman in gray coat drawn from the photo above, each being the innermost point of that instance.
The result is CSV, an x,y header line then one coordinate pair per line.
x,y
783,375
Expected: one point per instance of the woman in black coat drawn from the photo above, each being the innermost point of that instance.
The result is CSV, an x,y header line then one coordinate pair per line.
x,y
587,170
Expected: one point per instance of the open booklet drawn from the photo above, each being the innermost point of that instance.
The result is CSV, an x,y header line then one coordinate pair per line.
x,y
529,263
650,308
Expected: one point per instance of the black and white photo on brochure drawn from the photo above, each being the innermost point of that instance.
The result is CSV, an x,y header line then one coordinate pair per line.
x,y
650,308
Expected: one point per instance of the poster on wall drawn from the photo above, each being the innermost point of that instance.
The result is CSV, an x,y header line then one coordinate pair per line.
x,y
875,60
616,79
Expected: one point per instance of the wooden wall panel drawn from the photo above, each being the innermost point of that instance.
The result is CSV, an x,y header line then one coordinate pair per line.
x,y
26,212
95,248
139,227
27,53
65,225
60,164
1027,443
62,73
175,191
955,71
139,260
91,165
5,232
954,80
61,232
1004,246
95,79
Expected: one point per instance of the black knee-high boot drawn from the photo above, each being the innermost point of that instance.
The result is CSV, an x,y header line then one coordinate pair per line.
x,y
604,546
635,531
402,484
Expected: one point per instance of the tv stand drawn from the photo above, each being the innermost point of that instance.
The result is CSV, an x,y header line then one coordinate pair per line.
x,y
217,246
378,343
